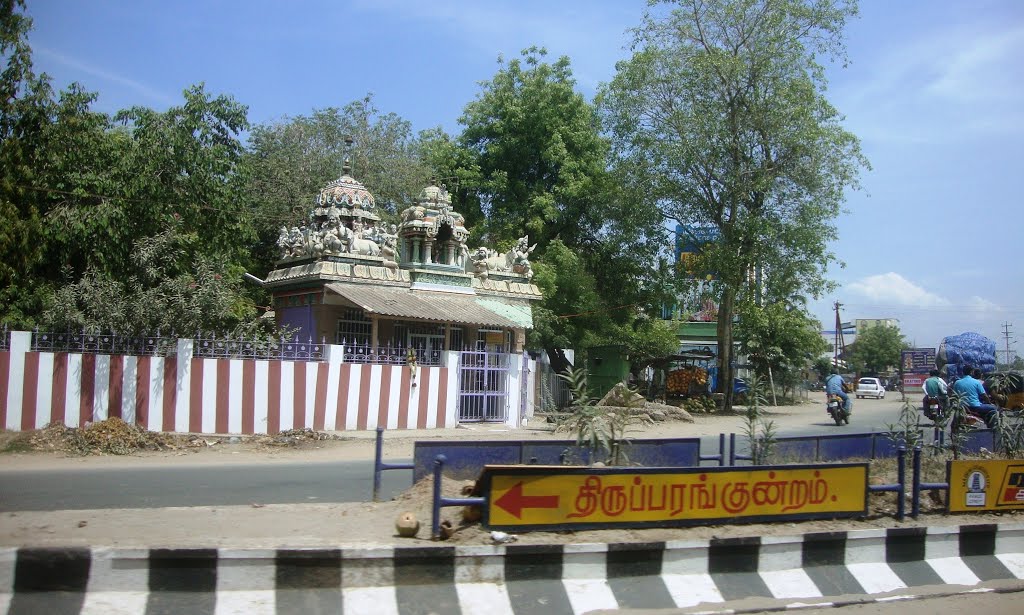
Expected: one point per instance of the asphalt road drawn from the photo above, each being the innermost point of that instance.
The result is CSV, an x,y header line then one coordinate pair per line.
x,y
317,482
222,485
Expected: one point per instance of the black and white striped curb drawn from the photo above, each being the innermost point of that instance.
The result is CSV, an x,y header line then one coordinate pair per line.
x,y
504,578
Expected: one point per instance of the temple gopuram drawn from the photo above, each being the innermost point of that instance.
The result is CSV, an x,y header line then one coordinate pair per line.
x,y
385,290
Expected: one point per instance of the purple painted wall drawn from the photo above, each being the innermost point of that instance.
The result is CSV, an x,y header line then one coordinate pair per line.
x,y
299,317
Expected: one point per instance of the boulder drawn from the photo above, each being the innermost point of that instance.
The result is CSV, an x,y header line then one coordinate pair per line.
x,y
620,395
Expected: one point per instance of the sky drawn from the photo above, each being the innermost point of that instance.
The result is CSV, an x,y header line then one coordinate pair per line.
x,y
933,88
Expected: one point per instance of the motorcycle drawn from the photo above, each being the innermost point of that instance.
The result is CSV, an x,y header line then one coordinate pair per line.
x,y
834,407
932,407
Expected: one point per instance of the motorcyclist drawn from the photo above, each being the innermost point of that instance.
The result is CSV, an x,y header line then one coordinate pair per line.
x,y
835,386
972,393
935,388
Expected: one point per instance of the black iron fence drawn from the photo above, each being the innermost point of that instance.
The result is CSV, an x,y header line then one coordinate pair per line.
x,y
388,354
214,347
108,343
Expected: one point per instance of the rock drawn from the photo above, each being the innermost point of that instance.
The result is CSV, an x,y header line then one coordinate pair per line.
x,y
683,415
471,514
500,537
657,415
621,396
407,525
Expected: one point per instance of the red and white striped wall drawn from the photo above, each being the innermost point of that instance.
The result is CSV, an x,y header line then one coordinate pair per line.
x,y
224,396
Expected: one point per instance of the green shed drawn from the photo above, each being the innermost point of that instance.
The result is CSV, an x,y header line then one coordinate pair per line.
x,y
606,367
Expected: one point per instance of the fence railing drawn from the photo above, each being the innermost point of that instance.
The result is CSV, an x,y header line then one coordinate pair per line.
x,y
109,343
388,354
554,391
211,346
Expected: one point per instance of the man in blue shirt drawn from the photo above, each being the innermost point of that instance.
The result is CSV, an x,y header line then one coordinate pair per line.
x,y
834,386
972,393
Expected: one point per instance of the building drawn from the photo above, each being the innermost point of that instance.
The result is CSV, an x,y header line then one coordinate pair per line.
x,y
864,323
382,291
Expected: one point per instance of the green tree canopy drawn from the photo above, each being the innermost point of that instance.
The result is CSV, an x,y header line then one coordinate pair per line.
x,y
538,156
534,162
876,348
778,339
289,161
720,120
158,295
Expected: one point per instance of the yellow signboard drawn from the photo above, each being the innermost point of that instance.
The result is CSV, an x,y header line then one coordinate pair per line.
x,y
986,485
560,497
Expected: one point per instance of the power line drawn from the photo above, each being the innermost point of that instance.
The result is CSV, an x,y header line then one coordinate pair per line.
x,y
946,308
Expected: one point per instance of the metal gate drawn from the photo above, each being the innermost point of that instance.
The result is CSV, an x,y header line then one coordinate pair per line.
x,y
483,386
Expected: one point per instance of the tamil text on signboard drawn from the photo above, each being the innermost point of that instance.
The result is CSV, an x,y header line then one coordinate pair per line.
x,y
556,497
917,360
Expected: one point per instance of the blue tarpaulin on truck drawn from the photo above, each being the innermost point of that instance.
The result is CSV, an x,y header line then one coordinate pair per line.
x,y
967,349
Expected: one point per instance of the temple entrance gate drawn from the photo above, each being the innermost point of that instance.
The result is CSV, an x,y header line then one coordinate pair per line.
x,y
483,386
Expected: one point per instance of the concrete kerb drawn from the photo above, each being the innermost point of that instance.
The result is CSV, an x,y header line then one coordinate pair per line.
x,y
673,574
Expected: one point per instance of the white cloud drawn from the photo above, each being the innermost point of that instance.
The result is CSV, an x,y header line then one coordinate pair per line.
x,y
985,69
969,88
893,289
980,304
140,88
593,38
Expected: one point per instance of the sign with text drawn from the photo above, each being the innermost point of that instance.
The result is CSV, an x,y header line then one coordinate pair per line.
x,y
991,484
559,497
912,382
917,360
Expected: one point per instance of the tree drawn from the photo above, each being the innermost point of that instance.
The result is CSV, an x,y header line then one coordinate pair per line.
x,y
538,152
777,339
537,166
26,106
208,295
289,161
877,348
719,119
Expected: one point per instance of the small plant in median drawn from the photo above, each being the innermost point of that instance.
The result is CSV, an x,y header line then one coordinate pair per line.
x,y
761,434
906,430
598,427
1010,429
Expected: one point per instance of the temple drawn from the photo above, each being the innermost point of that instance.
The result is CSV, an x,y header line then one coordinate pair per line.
x,y
383,291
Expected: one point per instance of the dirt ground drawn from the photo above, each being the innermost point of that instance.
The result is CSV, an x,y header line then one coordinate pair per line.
x,y
372,524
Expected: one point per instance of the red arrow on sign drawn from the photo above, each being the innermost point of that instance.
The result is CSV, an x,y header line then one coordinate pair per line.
x,y
513,501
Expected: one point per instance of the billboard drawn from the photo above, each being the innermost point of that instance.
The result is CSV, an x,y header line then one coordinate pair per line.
x,y
917,360
690,242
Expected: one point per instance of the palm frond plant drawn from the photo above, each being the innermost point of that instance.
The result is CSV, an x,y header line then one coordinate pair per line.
x,y
760,433
597,428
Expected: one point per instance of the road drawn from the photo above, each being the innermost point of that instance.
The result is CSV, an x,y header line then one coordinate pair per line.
x,y
174,485
170,485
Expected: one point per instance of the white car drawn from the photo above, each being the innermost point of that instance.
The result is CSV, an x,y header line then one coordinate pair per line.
x,y
870,387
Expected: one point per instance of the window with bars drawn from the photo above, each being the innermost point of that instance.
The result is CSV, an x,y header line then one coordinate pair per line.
x,y
402,331
354,327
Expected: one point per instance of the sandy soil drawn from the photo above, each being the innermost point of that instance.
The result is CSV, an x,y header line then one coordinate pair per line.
x,y
297,525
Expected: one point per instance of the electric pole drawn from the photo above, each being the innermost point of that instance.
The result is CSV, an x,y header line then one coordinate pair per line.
x,y
1006,339
839,345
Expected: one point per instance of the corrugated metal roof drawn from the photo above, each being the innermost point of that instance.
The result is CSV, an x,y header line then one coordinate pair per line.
x,y
519,313
440,307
